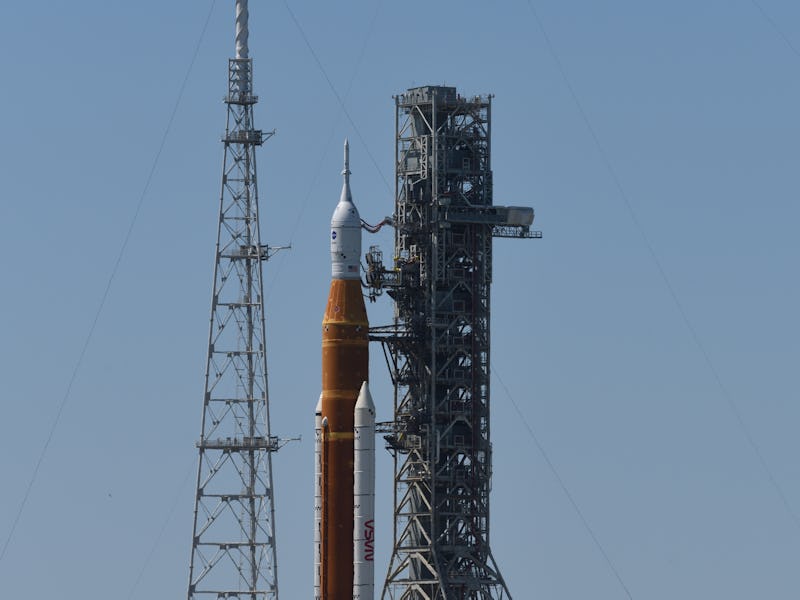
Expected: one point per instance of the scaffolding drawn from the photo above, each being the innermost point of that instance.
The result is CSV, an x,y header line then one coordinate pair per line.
x,y
437,347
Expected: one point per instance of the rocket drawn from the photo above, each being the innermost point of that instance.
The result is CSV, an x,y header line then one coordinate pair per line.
x,y
345,394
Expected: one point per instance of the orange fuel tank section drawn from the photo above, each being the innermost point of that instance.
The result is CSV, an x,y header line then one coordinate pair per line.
x,y
345,365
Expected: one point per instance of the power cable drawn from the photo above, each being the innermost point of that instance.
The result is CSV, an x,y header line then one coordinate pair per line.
x,y
104,296
336,93
775,26
155,545
562,485
326,147
359,60
668,284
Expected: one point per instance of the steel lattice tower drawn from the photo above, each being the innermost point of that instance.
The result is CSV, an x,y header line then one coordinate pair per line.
x,y
233,543
438,346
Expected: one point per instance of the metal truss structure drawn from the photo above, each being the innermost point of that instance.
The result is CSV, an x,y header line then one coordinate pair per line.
x,y
233,542
438,346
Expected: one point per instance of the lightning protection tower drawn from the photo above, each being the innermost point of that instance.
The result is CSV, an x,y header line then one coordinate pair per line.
x,y
438,345
233,543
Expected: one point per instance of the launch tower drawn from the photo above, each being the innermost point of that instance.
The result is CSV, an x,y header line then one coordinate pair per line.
x,y
233,543
438,345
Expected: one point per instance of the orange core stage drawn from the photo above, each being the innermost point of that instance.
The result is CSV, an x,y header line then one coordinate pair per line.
x,y
345,365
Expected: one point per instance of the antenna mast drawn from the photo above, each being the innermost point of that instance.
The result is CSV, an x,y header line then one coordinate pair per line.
x,y
233,542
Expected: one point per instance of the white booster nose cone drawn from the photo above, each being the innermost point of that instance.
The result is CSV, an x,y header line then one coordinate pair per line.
x,y
346,230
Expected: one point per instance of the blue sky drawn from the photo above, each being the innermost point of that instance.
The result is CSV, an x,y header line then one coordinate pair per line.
x,y
695,108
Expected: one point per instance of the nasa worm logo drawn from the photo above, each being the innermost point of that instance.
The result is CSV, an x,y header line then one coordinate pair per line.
x,y
369,540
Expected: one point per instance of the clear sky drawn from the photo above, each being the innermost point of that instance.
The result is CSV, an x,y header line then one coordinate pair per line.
x,y
695,107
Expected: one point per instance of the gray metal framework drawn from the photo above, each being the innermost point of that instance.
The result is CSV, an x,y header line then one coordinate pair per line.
x,y
233,541
438,345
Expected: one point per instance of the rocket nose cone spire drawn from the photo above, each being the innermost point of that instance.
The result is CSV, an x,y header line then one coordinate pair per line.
x,y
346,195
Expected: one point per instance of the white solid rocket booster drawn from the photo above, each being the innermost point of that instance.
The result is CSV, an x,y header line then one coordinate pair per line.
x,y
364,497
317,498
